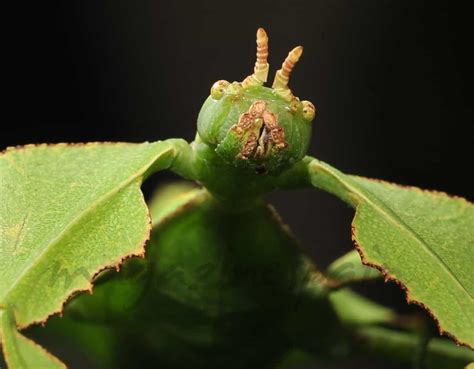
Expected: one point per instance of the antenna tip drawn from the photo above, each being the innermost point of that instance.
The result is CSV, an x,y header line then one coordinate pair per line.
x,y
296,53
261,33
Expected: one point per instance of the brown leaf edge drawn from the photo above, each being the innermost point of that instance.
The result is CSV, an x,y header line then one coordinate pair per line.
x,y
139,252
386,274
38,347
16,148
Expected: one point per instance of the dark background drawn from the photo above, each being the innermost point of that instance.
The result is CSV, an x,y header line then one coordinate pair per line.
x,y
392,82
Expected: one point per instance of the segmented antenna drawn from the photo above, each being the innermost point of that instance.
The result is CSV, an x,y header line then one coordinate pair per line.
x,y
260,71
282,76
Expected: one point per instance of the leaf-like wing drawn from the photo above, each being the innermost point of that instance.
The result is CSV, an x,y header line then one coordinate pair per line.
x,y
67,212
217,283
422,239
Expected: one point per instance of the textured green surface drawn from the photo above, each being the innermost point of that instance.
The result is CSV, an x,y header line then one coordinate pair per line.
x,y
220,290
66,212
228,290
22,353
424,240
217,116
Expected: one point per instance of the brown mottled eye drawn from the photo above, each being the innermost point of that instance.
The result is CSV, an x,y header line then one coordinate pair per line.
x,y
309,111
218,89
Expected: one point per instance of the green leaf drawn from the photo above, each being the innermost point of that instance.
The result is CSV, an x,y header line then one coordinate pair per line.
x,y
117,294
20,352
354,309
403,346
349,268
218,283
170,198
424,240
67,212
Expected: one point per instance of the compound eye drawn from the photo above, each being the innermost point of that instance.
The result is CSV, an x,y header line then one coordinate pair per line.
x,y
309,111
218,89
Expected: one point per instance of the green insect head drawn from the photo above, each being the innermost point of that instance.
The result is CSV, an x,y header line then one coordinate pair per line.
x,y
250,125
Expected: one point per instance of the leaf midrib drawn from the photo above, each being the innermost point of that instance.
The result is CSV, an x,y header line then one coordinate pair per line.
x,y
392,217
57,239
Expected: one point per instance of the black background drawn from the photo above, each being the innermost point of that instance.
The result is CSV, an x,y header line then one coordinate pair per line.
x,y
391,80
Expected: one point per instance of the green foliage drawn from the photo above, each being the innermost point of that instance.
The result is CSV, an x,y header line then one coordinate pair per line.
x,y
349,268
396,345
68,211
224,283
355,309
423,240
212,280
20,352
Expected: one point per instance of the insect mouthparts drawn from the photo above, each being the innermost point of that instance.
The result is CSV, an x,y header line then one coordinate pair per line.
x,y
259,131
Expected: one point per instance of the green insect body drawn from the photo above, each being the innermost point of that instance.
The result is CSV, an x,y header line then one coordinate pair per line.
x,y
256,129
224,284
212,280
222,279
